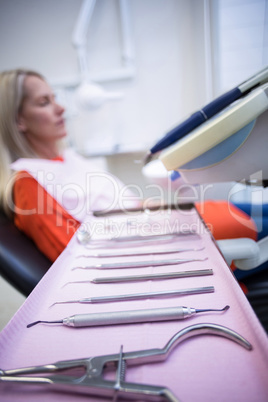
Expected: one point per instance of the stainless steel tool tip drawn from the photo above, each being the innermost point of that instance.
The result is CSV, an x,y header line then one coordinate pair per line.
x,y
44,322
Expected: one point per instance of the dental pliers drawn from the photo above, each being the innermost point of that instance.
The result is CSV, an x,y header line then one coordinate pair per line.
x,y
92,381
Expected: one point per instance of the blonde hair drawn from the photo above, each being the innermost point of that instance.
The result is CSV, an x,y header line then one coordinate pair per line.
x,y
13,144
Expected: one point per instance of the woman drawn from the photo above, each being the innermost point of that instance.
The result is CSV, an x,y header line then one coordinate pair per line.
x,y
48,192
51,190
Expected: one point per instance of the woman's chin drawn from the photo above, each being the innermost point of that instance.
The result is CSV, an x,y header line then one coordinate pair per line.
x,y
62,134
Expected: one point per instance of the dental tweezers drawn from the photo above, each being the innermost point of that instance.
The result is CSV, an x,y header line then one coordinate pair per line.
x,y
92,382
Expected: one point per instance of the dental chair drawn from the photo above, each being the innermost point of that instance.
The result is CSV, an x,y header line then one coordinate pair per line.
x,y
227,141
21,263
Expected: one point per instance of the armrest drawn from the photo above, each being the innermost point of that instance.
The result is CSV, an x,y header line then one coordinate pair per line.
x,y
21,263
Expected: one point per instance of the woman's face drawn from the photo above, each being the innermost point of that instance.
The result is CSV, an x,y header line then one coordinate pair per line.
x,y
41,118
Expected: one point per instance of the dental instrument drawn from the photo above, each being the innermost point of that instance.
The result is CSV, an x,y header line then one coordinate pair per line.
x,y
129,317
84,238
140,264
140,296
162,206
92,381
135,278
139,252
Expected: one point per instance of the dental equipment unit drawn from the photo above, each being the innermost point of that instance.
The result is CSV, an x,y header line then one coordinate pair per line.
x,y
129,317
212,109
92,382
226,141
229,146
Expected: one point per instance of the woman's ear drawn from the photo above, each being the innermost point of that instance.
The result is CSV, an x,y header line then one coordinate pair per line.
x,y
21,124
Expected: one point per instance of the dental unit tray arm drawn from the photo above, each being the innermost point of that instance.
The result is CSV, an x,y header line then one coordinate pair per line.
x,y
210,110
216,130
228,145
92,382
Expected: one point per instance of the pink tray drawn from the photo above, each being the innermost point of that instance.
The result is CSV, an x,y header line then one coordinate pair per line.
x,y
204,368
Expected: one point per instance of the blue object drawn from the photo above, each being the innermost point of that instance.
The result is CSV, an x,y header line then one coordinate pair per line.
x,y
197,119
174,175
259,213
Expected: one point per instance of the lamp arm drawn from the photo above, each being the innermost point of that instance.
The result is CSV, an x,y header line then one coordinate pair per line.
x,y
82,23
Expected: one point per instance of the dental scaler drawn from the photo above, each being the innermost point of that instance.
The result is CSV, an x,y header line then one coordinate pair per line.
x,y
129,317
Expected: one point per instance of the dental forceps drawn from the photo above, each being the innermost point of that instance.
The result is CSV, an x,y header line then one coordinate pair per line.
x,y
92,381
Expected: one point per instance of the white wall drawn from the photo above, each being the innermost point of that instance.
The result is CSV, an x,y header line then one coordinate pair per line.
x,y
37,34
175,71
243,40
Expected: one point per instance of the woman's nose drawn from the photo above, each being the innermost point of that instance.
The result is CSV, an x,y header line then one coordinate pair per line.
x,y
59,108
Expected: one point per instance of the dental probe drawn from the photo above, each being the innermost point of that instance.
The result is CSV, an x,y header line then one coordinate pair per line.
x,y
129,317
138,252
139,296
135,278
141,264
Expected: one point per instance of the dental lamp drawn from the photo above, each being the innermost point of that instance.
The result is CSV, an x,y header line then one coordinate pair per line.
x,y
88,95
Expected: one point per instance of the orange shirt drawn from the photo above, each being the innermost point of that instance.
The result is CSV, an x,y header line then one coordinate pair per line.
x,y
51,227
40,217
226,221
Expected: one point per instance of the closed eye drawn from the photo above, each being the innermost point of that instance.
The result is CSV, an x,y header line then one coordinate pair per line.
x,y
46,100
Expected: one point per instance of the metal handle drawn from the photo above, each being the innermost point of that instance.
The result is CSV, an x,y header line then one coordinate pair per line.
x,y
142,264
138,296
153,355
168,275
